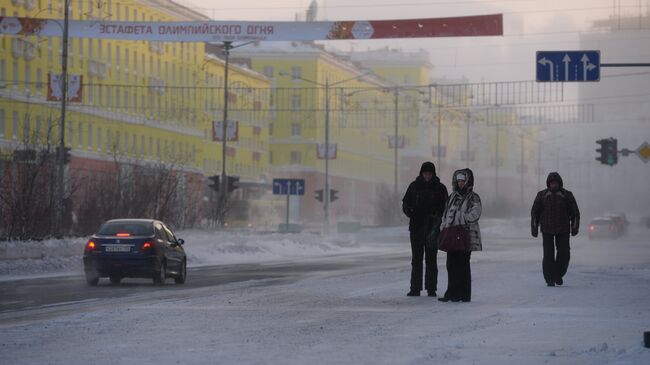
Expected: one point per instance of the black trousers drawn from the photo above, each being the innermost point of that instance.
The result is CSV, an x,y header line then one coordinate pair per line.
x,y
555,267
459,276
419,250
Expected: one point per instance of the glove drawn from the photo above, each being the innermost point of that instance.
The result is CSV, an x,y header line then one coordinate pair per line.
x,y
574,231
408,211
534,230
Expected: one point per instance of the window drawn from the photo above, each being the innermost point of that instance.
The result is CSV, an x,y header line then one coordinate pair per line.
x,y
296,158
2,122
70,134
295,129
295,102
296,72
268,71
14,132
39,79
37,130
3,71
99,139
79,135
90,137
28,76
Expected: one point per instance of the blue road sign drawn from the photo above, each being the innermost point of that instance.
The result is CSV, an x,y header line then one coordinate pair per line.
x,y
288,187
561,66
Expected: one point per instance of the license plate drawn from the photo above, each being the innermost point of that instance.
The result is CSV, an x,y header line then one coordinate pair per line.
x,y
117,248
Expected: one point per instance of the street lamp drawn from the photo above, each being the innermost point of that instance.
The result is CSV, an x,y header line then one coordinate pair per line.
x,y
326,85
223,190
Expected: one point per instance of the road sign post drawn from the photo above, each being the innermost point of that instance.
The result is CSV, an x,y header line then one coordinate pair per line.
x,y
288,187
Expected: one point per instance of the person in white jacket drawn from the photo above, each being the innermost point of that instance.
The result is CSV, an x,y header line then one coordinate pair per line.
x,y
463,208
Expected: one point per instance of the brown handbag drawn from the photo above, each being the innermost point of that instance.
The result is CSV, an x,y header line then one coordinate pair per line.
x,y
454,238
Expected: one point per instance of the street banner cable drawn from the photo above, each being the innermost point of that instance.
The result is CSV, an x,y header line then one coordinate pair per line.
x,y
220,31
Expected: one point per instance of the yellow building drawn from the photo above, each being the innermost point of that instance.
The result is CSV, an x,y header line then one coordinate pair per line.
x,y
143,102
311,85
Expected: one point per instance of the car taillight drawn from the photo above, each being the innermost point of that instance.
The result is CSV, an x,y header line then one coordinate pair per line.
x,y
123,235
592,227
90,246
147,246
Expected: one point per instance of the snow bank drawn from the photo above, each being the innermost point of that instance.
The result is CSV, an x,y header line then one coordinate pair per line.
x,y
64,256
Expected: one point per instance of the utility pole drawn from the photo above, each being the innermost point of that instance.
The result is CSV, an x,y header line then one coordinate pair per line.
x,y
496,165
60,158
223,190
439,136
467,140
539,163
396,144
521,171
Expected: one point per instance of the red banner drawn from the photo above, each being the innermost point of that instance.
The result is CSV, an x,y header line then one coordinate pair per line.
x,y
219,31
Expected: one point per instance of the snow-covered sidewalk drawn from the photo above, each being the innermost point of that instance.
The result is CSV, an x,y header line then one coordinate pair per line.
x,y
597,317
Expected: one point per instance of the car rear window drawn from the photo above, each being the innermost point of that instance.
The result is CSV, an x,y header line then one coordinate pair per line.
x,y
131,228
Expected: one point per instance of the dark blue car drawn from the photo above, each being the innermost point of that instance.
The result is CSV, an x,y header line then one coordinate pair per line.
x,y
134,248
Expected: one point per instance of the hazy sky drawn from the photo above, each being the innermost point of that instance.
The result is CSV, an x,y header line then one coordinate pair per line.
x,y
529,25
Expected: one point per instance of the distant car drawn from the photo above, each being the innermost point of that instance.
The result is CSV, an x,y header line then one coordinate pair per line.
x,y
621,221
134,248
603,227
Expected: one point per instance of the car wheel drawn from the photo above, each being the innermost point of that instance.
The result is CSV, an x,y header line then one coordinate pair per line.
x,y
180,279
160,276
92,280
115,279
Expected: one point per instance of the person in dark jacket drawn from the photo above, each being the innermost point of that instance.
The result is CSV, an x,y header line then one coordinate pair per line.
x,y
424,203
556,212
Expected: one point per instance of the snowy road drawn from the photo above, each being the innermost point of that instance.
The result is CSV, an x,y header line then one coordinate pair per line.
x,y
352,308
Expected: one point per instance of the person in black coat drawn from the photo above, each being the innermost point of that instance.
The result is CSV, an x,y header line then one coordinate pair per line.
x,y
556,212
424,203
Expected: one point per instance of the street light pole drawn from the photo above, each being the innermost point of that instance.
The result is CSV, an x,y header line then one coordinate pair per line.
x,y
496,164
439,136
396,143
60,159
467,157
227,46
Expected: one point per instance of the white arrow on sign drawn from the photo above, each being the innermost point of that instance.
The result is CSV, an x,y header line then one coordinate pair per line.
x,y
586,66
546,62
566,61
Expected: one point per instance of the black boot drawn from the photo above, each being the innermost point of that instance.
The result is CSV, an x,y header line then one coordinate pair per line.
x,y
550,283
559,281
431,293
444,299
413,293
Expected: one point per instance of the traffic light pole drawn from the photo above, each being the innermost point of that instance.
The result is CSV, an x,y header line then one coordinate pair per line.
x,y
223,190
326,193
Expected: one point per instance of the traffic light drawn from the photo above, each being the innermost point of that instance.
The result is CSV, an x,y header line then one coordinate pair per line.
x,y
233,183
612,152
333,196
608,151
215,182
319,195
